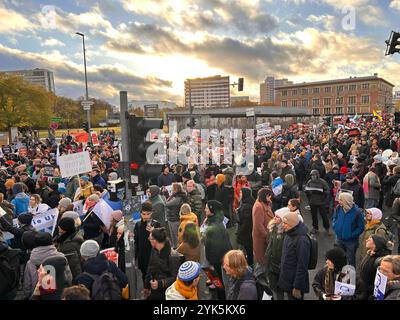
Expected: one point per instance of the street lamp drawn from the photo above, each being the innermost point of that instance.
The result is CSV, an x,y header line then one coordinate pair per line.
x,y
87,92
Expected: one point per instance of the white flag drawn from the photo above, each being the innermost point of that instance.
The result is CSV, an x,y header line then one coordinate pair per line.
x,y
103,211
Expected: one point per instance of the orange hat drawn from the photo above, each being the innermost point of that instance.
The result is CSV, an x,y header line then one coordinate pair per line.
x,y
9,183
220,179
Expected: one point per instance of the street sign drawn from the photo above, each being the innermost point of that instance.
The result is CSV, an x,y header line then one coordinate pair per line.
x,y
250,112
86,104
54,125
151,111
56,119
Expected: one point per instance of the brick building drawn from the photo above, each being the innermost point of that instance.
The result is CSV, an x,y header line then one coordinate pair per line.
x,y
355,95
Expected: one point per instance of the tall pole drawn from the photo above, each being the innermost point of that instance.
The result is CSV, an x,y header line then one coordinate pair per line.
x,y
86,84
190,106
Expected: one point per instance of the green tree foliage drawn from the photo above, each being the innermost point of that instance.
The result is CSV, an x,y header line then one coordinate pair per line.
x,y
24,104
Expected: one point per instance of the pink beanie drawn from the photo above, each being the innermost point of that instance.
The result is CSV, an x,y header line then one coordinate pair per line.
x,y
376,213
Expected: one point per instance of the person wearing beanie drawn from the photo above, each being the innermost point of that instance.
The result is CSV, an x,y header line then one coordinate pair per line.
x,y
61,279
290,190
141,234
74,215
373,226
353,186
215,237
186,216
225,195
117,219
54,196
21,200
377,248
348,224
185,286
43,248
241,278
85,189
293,276
324,281
186,177
64,205
112,176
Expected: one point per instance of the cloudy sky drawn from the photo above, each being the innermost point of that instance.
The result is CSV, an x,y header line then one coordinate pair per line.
x,y
148,47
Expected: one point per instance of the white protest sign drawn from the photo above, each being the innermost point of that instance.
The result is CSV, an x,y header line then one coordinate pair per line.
x,y
75,164
225,221
78,207
41,222
169,189
2,212
103,211
344,289
380,285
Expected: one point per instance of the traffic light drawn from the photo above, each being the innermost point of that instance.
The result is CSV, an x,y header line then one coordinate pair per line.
x,y
85,126
141,170
240,84
393,44
397,118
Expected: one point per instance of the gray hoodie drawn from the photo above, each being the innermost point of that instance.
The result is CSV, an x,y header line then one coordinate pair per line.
x,y
38,255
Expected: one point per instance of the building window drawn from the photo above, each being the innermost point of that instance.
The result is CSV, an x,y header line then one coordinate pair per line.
x,y
284,93
304,92
315,102
315,111
294,92
327,111
328,89
284,103
327,101
294,103
339,101
352,100
339,110
340,88
364,99
315,90
365,86
351,110
352,87
305,103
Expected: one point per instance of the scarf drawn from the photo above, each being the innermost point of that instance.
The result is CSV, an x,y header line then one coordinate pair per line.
x,y
329,283
371,223
188,292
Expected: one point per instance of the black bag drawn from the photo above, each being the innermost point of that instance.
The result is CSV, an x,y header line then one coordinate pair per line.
x,y
264,292
105,287
312,263
9,271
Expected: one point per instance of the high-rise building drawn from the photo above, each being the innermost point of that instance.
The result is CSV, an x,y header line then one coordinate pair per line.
x,y
267,88
396,97
40,77
354,95
212,92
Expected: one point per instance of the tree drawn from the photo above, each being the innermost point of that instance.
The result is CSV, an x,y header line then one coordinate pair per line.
x,y
70,112
24,104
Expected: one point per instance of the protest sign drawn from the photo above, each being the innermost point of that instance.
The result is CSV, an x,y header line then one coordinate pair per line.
x,y
48,171
380,285
95,139
75,164
344,289
103,211
111,255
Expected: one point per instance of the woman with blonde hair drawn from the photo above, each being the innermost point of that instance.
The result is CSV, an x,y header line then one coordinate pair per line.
x,y
242,284
186,216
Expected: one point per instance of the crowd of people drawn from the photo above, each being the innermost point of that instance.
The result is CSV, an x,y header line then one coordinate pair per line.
x,y
247,233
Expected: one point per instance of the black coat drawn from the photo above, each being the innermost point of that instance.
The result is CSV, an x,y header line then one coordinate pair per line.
x,y
245,224
31,184
225,196
16,242
53,199
70,245
142,244
97,266
295,258
318,165
92,225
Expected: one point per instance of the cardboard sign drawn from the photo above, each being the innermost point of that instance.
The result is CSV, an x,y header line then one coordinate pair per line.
x,y
74,164
111,255
48,171
344,289
95,139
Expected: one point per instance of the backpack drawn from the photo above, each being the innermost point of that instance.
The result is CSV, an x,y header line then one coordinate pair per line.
x,y
389,237
396,188
9,271
312,262
105,287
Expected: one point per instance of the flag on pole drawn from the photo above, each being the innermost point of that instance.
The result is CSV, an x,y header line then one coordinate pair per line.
x,y
376,114
103,211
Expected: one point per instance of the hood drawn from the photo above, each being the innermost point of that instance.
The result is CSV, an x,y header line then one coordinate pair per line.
x,y
315,172
40,253
172,294
289,179
300,230
154,191
17,188
190,217
21,195
247,196
96,265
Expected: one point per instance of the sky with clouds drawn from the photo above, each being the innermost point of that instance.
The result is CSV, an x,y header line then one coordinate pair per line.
x,y
149,47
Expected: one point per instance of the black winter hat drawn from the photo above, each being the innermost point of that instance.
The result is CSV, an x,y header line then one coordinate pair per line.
x,y
29,240
338,257
53,186
186,175
380,243
43,239
214,206
67,224
25,218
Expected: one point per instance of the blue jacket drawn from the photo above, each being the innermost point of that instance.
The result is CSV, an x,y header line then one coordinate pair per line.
x,y
294,261
348,226
21,203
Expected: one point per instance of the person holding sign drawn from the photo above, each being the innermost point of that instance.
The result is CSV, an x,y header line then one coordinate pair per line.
x,y
92,224
390,267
